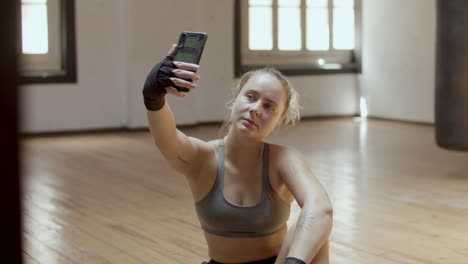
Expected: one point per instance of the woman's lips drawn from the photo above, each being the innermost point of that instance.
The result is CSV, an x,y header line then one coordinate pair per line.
x,y
250,121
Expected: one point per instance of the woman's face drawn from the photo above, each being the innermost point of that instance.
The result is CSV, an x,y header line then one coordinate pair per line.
x,y
259,106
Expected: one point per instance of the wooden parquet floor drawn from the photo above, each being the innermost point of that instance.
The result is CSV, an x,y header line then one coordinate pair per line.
x,y
111,198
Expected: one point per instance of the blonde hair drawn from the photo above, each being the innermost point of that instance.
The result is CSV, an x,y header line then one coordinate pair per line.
x,y
291,113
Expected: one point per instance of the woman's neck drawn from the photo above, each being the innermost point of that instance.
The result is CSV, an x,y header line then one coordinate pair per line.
x,y
242,151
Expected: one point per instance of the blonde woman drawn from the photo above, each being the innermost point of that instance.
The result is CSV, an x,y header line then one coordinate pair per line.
x,y
241,185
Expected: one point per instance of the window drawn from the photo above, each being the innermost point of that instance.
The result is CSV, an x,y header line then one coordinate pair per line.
x,y
298,36
47,51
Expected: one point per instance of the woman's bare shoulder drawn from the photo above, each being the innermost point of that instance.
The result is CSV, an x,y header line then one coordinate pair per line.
x,y
288,159
283,153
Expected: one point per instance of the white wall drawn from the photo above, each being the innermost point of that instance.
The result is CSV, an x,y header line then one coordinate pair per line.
x,y
154,26
118,42
98,99
399,38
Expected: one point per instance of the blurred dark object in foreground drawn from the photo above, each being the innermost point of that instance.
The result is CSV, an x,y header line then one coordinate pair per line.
x,y
10,193
451,98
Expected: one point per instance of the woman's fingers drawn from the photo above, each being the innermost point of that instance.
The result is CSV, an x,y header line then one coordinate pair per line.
x,y
180,83
173,91
186,66
184,70
172,51
186,74
183,83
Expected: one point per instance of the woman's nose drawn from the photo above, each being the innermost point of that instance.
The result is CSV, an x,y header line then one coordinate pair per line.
x,y
255,109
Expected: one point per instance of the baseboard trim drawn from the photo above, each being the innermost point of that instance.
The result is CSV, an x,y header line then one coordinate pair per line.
x,y
209,123
421,123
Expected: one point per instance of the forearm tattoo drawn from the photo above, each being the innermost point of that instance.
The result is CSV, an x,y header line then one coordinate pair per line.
x,y
305,221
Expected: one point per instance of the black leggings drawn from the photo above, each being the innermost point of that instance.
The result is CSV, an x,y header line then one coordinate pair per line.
x,y
262,261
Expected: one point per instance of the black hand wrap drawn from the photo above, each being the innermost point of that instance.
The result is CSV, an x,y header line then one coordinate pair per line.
x,y
156,82
291,260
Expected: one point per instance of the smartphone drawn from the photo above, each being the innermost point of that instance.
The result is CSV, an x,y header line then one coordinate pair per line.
x,y
190,47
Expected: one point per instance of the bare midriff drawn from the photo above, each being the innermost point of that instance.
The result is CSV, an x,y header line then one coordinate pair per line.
x,y
244,249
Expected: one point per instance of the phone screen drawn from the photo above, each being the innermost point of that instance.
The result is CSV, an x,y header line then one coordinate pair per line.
x,y
190,48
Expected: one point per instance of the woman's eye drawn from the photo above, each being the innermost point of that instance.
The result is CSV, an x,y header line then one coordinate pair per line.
x,y
249,96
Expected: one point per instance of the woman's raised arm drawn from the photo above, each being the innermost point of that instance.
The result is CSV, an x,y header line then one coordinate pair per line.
x,y
171,77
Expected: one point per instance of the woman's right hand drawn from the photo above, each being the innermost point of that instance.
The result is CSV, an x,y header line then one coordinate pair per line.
x,y
184,75
168,76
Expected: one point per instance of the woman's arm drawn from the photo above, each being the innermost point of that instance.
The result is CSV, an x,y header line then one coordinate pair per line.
x,y
178,149
314,224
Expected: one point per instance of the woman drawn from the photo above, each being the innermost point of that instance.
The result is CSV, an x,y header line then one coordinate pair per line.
x,y
242,186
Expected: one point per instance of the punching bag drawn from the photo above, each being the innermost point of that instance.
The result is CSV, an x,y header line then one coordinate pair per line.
x,y
451,97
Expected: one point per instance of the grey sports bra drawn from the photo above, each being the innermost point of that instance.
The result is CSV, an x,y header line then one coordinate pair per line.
x,y
220,217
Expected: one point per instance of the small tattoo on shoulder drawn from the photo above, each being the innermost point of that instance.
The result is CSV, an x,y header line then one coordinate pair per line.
x,y
305,221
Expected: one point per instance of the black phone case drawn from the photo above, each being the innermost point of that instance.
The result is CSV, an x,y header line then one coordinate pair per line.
x,y
203,37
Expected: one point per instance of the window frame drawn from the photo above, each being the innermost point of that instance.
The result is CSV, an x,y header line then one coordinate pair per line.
x,y
67,51
297,68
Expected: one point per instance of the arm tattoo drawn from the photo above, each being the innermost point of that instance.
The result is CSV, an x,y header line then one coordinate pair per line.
x,y
305,221
185,162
